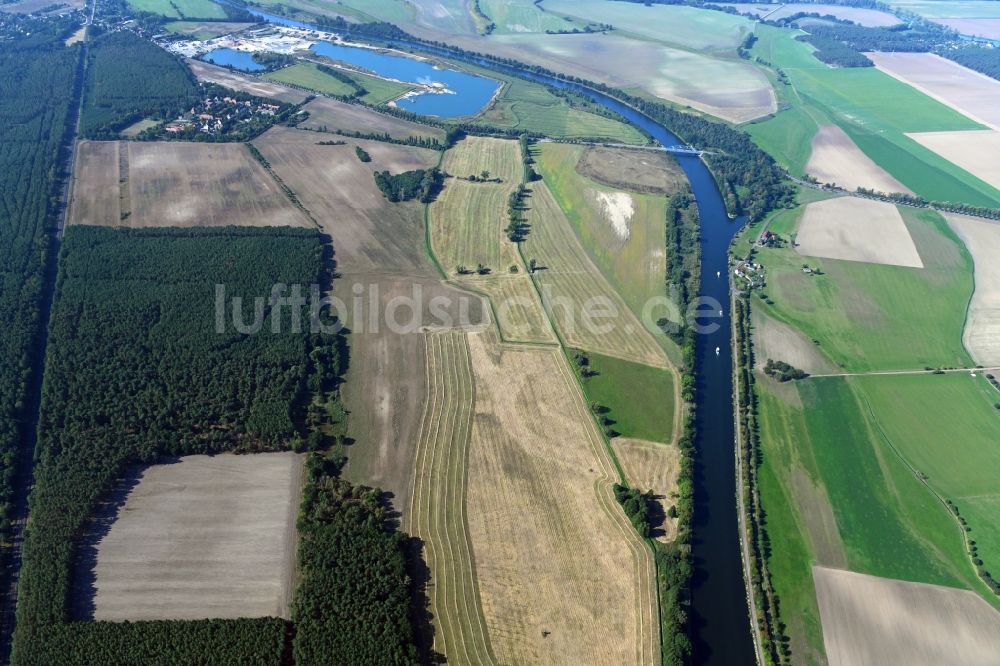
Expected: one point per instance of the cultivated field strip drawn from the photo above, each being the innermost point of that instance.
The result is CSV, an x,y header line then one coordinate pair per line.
x,y
563,577
95,194
468,218
570,283
982,326
437,506
517,308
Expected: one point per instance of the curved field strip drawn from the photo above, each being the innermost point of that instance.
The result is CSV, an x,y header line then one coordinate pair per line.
x,y
572,286
563,577
437,506
467,220
517,308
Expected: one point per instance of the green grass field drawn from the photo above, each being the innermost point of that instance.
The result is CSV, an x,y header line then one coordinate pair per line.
x,y
180,8
636,267
643,414
874,109
516,16
307,75
875,317
530,107
947,428
824,456
684,27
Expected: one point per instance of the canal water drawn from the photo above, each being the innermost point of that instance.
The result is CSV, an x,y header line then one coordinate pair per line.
x,y
719,612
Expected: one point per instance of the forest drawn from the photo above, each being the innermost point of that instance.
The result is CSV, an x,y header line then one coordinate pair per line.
x,y
420,184
834,52
36,91
136,369
128,79
683,233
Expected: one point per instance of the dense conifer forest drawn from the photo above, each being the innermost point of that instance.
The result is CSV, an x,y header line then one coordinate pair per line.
x,y
36,91
130,78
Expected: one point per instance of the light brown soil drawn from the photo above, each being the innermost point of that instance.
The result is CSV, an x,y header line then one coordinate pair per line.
x,y
331,115
975,151
837,160
563,577
644,171
516,306
982,328
964,90
653,466
95,197
856,229
206,537
248,84
871,620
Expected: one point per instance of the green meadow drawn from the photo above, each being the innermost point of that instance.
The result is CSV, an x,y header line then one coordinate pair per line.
x,y
180,8
307,75
836,492
874,109
642,414
868,317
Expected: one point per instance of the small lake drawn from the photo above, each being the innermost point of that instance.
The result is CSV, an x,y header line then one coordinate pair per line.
x,y
240,60
468,93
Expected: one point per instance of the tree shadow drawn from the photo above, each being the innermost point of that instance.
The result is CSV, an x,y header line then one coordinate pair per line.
x,y
423,618
83,578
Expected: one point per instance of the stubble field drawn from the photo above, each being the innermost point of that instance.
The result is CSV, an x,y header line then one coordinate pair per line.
x,y
204,537
982,328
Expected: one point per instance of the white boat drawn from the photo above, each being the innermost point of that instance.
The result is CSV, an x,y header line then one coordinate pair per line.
x,y
721,313
717,350
718,273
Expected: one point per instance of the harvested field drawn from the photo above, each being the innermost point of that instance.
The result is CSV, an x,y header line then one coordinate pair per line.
x,y
776,340
331,115
207,72
970,93
977,27
653,466
205,537
976,151
468,218
856,229
982,328
203,184
437,512
540,509
645,171
588,312
340,192
837,160
871,620
95,196
517,307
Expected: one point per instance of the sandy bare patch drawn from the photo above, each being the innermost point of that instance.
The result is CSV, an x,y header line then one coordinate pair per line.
x,y
203,185
975,151
779,341
205,537
977,27
836,159
982,328
213,74
618,210
563,577
871,620
95,196
653,466
856,229
971,93
644,171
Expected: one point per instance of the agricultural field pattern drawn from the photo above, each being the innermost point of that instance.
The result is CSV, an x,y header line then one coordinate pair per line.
x,y
502,332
